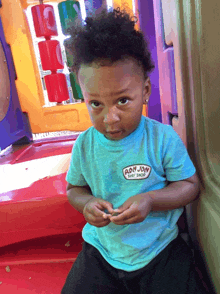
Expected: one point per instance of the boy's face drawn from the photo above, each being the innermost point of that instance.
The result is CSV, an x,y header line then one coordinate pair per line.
x,y
114,95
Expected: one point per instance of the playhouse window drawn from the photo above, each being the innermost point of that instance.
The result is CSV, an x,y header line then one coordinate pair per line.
x,y
60,38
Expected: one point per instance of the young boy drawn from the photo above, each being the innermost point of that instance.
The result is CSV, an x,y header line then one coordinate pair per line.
x,y
129,175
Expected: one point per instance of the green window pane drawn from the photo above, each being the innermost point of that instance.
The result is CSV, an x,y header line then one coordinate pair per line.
x,y
69,11
69,56
77,93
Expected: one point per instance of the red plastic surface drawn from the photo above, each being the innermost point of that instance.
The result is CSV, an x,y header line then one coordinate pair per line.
x,y
38,149
44,20
50,53
57,87
41,209
40,231
34,278
56,248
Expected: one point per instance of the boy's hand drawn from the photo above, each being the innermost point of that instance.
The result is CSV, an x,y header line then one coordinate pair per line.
x,y
94,212
133,211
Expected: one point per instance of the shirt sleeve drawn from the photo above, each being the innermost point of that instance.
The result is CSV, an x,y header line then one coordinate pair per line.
x,y
176,161
74,175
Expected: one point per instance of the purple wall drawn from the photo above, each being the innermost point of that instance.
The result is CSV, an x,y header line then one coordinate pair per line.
x,y
97,4
167,80
146,18
14,127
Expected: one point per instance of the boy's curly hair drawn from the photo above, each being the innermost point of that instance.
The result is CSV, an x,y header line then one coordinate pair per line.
x,y
108,36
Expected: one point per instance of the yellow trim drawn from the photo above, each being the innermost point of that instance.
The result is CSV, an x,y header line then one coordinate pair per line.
x,y
127,4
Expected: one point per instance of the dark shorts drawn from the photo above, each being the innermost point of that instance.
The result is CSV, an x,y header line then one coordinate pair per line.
x,y
171,272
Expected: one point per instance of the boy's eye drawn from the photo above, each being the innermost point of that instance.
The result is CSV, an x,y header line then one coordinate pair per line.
x,y
123,101
95,104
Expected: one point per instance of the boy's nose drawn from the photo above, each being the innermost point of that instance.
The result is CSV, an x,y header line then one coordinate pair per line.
x,y
111,117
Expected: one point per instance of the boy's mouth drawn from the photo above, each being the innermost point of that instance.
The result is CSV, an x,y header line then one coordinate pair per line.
x,y
114,134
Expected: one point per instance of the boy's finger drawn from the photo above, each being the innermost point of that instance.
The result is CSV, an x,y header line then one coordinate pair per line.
x,y
122,208
97,211
100,222
106,215
107,206
123,216
132,220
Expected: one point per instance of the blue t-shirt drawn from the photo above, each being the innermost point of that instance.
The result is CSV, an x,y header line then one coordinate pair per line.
x,y
115,170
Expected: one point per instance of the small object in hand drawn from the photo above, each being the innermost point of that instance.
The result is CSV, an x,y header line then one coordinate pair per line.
x,y
115,213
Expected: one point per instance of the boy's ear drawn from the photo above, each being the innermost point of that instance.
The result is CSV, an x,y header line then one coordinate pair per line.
x,y
146,90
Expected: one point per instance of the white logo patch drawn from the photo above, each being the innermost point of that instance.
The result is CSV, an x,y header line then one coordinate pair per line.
x,y
136,172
